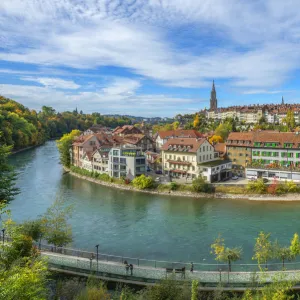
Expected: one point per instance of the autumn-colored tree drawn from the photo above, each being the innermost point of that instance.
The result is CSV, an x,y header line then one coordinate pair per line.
x,y
196,122
289,120
216,139
263,249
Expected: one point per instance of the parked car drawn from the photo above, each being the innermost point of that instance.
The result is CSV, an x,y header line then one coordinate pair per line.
x,y
157,179
158,172
234,177
265,180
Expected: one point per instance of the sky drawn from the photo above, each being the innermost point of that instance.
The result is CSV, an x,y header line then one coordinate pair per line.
x,y
148,57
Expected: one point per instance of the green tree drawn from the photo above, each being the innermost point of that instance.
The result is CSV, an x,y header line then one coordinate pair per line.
x,y
201,186
195,284
282,253
7,176
34,229
263,249
143,182
289,120
55,221
295,245
223,130
225,254
64,145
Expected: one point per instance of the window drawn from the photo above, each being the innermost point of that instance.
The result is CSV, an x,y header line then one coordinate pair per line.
x,y
205,169
122,160
210,157
116,159
123,168
115,152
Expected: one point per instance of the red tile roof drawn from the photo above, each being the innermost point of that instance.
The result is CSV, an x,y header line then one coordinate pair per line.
x,y
183,144
180,133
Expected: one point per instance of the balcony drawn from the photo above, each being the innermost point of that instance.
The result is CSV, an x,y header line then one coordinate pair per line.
x,y
179,162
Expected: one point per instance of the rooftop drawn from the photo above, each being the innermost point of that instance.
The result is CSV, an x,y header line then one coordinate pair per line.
x,y
215,163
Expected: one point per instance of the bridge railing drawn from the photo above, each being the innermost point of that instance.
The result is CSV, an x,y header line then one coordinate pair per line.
x,y
160,264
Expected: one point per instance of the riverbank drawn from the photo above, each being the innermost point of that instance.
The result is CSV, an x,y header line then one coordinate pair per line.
x,y
25,149
250,197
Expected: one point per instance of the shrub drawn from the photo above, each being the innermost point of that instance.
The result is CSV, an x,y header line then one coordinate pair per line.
x,y
173,186
257,186
201,186
291,187
143,182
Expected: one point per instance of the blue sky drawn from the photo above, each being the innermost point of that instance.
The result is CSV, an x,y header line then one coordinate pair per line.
x,y
148,57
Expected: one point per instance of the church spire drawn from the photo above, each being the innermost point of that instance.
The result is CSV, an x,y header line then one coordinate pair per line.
x,y
213,98
282,101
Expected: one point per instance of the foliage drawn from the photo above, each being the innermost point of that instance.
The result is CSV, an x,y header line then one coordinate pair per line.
x,y
94,292
257,186
289,120
143,182
195,284
173,186
224,254
7,176
263,249
295,245
55,221
196,122
34,229
64,145
282,253
168,289
229,189
23,127
223,130
216,139
201,186
26,282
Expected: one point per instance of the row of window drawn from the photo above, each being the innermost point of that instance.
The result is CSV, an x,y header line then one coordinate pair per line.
x,y
182,157
203,157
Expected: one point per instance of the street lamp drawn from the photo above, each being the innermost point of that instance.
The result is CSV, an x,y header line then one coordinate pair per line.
x,y
3,232
97,246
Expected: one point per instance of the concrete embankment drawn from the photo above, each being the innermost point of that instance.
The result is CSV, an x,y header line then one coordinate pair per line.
x,y
250,197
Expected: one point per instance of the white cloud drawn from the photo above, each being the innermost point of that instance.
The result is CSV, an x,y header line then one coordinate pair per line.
x,y
56,83
253,92
116,101
122,86
91,34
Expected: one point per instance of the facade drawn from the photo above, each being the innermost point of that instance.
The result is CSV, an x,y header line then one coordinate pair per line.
x,y
153,160
217,170
138,140
100,159
126,162
163,136
182,157
239,150
265,153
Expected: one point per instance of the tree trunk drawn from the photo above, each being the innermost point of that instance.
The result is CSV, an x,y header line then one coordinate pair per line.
x,y
229,265
282,263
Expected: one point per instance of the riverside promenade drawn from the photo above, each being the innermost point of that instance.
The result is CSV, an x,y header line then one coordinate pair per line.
x,y
112,268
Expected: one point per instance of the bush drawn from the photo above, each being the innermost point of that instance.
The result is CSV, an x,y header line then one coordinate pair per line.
x,y
143,182
173,186
257,186
201,186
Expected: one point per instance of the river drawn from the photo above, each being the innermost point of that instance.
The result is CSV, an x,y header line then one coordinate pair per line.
x,y
144,225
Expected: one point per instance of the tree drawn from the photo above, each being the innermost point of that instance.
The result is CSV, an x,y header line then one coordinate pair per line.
x,y
196,122
295,245
7,176
201,186
175,125
195,284
225,254
64,145
143,182
263,249
34,229
282,253
216,139
223,131
289,120
55,221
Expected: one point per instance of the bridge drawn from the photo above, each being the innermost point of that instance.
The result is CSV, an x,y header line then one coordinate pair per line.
x,y
148,272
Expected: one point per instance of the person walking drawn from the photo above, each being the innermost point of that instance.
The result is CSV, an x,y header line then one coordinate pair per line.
x,y
131,269
127,268
192,267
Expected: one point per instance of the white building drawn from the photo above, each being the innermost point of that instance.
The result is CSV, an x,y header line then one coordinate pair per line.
x,y
126,162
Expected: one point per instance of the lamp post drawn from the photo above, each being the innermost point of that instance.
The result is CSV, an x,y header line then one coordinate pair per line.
x,y
3,232
97,247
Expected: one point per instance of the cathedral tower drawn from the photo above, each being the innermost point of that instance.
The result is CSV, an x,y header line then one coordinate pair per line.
x,y
213,98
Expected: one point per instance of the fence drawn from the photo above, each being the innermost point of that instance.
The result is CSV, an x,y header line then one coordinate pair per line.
x,y
153,270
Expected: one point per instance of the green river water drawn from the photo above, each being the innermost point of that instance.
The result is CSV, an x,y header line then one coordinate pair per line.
x,y
144,225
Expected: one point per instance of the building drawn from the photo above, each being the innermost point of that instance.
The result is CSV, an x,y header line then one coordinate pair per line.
x,y
126,162
138,140
153,160
216,170
126,129
275,154
183,158
163,136
239,150
265,153
100,159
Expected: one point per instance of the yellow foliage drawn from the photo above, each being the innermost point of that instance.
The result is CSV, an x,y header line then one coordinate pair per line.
x,y
216,139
